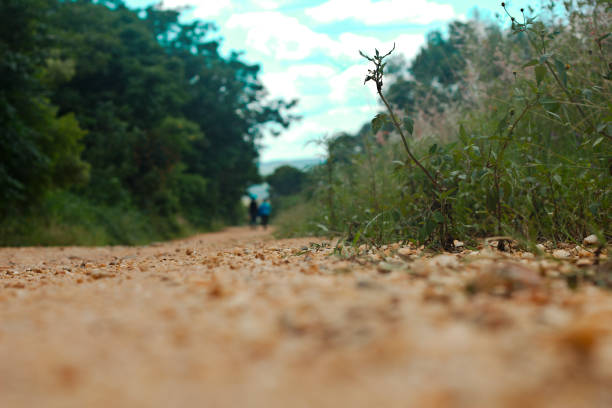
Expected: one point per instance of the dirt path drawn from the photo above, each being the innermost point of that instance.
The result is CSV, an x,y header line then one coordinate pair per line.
x,y
237,319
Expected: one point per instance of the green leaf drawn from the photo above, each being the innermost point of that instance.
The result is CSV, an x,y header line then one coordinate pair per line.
x,y
502,124
598,141
540,73
426,230
532,85
409,125
560,66
379,121
444,195
323,227
549,104
433,148
545,57
530,63
365,55
463,134
587,93
449,147
603,37
474,148
438,217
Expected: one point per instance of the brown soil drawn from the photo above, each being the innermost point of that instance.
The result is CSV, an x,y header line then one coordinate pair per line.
x,y
238,319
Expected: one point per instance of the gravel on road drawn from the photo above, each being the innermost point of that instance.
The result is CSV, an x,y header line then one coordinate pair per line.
x,y
240,319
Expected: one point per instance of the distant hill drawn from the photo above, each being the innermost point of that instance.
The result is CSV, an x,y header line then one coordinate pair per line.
x,y
267,168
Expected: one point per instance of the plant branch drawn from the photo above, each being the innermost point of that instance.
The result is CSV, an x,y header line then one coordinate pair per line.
x,y
511,130
405,143
376,75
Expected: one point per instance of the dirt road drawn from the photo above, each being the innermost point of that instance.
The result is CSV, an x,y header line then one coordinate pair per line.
x,y
238,319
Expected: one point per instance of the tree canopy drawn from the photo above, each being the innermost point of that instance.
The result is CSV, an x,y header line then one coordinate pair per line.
x,y
127,106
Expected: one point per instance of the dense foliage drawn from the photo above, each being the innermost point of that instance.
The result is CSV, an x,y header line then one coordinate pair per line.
x,y
123,109
39,149
512,128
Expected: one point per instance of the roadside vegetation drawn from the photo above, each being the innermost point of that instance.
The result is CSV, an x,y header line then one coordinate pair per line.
x,y
122,126
491,130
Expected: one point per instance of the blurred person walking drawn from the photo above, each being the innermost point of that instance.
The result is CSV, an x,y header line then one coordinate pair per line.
x,y
253,211
264,212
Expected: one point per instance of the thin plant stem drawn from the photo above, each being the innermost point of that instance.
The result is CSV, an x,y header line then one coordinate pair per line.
x,y
405,143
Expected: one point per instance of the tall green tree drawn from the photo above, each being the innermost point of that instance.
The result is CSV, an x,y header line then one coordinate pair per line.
x,y
161,118
229,103
162,108
435,77
39,149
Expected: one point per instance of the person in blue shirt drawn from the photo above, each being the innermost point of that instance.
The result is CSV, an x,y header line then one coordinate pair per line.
x,y
264,212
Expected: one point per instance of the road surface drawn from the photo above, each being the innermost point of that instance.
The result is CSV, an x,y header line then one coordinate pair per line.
x,y
239,319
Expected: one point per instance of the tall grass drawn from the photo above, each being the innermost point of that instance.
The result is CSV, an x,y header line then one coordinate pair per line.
x,y
526,152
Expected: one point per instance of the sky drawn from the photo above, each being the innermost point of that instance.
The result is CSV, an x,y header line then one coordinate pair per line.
x,y
309,50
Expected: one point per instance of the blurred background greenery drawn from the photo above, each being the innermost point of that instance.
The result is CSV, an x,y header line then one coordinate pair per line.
x,y
122,126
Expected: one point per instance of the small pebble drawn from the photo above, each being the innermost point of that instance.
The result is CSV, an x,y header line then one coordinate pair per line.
x,y
561,254
591,240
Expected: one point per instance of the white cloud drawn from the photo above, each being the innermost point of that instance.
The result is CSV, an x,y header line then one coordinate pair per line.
x,y
408,44
360,111
325,73
351,44
381,12
267,4
172,4
349,85
297,82
285,38
299,140
316,86
201,8
273,33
